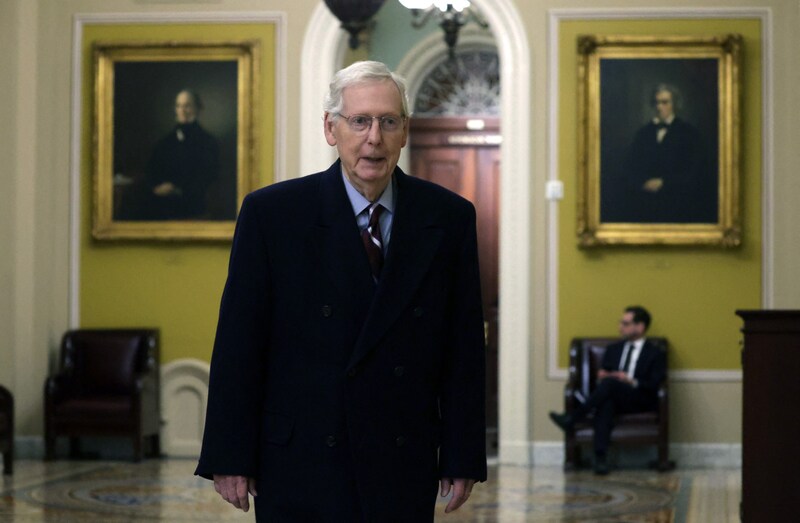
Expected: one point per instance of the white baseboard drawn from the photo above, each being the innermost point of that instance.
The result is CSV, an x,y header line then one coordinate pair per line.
x,y
112,448
686,455
28,447
515,453
538,453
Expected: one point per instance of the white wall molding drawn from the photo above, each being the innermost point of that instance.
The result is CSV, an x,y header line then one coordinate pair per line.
x,y
538,454
686,455
184,395
80,21
516,261
324,45
556,16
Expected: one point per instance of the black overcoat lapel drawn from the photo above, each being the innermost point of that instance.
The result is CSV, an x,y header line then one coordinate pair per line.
x,y
415,238
341,252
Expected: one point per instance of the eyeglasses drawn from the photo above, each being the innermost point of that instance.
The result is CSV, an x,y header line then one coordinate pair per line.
x,y
360,123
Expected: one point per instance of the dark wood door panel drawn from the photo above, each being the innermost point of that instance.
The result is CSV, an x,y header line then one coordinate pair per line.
x,y
471,169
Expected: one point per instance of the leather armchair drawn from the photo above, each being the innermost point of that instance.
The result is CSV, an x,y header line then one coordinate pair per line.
x,y
643,428
7,429
108,385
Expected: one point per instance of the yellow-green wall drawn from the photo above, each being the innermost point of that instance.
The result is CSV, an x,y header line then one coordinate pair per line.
x,y
173,286
692,292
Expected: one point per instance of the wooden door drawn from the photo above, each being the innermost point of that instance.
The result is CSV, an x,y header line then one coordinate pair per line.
x,y
467,161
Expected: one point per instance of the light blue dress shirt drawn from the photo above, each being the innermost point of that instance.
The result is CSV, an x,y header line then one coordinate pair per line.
x,y
361,204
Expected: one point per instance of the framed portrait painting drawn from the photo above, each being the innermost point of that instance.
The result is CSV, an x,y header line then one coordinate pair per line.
x,y
174,143
658,140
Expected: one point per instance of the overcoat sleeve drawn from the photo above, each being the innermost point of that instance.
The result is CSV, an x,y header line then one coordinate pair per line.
x,y
463,446
230,439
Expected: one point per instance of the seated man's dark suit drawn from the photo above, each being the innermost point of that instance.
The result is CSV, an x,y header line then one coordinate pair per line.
x,y
612,396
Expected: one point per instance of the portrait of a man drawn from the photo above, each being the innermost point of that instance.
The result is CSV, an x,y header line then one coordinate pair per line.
x,y
183,165
658,141
175,141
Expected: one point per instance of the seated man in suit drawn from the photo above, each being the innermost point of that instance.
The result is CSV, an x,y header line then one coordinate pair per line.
x,y
628,381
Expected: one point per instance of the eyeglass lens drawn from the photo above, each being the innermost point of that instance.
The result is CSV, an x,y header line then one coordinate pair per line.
x,y
362,122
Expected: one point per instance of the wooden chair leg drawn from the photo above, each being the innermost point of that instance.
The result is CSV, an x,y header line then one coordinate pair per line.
x,y
664,463
137,449
155,442
74,447
8,460
572,455
49,447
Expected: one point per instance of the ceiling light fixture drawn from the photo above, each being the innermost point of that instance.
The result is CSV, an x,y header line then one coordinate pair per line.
x,y
355,16
453,15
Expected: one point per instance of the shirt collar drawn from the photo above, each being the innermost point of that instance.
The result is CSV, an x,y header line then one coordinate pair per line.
x,y
359,202
638,344
668,120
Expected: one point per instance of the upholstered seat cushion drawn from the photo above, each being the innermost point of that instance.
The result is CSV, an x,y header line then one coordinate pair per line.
x,y
94,408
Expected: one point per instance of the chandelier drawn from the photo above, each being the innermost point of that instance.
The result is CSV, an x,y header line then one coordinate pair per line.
x,y
452,15
355,15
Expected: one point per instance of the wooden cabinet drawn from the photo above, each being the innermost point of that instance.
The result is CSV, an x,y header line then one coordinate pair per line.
x,y
771,416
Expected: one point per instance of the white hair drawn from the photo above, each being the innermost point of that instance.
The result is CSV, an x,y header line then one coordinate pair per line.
x,y
359,73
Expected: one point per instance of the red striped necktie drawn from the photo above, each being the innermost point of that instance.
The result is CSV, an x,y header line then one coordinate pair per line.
x,y
373,241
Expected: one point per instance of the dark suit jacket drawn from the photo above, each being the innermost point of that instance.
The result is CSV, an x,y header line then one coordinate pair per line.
x,y
191,164
683,162
345,400
651,368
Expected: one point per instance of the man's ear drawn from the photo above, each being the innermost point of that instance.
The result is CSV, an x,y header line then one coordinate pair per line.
x,y
328,123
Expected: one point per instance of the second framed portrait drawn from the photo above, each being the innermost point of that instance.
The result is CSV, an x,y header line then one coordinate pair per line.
x,y
659,140
174,142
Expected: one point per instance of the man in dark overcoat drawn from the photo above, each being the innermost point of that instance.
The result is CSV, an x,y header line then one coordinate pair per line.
x,y
347,378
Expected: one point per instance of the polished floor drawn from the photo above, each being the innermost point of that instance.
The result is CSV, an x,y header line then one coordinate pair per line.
x,y
165,490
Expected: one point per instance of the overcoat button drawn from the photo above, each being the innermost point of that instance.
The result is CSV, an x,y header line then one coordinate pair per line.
x,y
327,311
331,441
399,370
418,312
400,441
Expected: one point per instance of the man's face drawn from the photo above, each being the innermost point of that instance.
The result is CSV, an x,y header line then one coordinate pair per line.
x,y
628,329
185,109
370,156
664,104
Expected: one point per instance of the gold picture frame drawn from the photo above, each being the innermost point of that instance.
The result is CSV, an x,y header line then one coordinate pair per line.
x,y
646,175
174,143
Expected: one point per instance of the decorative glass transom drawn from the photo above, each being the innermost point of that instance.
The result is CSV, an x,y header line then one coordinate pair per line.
x,y
468,85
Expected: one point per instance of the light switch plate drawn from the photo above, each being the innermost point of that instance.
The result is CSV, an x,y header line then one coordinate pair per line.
x,y
554,190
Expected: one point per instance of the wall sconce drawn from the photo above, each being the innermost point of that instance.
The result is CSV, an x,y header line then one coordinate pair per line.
x,y
453,15
354,15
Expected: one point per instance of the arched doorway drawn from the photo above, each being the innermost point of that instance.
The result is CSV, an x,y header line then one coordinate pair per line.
x,y
321,57
455,142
